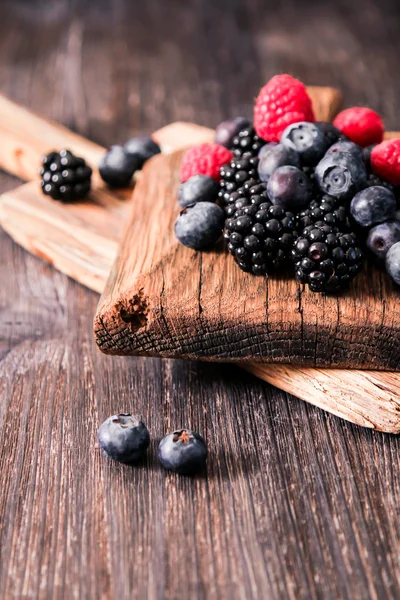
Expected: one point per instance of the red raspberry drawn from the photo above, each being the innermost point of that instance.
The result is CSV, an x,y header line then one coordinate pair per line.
x,y
205,159
281,102
362,125
385,161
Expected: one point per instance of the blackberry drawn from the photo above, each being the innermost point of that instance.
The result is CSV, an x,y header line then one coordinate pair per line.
x,y
373,180
65,177
260,236
247,143
327,210
251,193
239,172
326,259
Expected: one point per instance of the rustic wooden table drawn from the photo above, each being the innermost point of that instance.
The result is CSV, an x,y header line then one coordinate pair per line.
x,y
296,504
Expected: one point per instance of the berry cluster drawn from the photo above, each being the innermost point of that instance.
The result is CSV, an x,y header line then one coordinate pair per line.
x,y
67,178
125,438
289,192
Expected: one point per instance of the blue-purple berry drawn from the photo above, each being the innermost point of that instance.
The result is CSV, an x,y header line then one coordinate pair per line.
x,y
382,237
124,437
340,174
348,147
117,167
199,188
184,451
272,156
200,225
290,188
373,205
393,262
142,147
307,139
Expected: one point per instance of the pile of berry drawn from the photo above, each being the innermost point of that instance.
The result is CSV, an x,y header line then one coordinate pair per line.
x,y
287,192
67,178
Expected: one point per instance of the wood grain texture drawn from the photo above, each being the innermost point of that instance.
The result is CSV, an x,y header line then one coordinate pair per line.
x,y
368,398
296,504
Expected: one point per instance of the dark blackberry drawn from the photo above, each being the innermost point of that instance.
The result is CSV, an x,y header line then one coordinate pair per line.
x,y
236,174
251,193
326,210
326,259
260,236
373,180
247,143
65,177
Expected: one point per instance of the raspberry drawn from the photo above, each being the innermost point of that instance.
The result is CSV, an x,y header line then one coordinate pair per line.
x,y
385,161
361,125
205,159
281,102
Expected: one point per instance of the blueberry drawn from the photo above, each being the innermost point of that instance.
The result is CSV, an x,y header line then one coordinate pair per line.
x,y
183,451
124,437
200,225
347,147
340,174
199,188
273,156
382,237
228,130
117,167
142,147
290,188
393,262
307,139
373,205
332,134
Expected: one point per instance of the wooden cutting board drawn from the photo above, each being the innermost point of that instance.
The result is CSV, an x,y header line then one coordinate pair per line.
x,y
163,299
82,241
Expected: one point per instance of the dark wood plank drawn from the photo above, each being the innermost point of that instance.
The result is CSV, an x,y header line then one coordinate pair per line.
x,y
296,504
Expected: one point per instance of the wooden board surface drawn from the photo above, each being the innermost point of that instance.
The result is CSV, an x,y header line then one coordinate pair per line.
x,y
297,504
163,299
82,240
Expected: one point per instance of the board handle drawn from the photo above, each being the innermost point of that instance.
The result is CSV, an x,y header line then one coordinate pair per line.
x,y
25,137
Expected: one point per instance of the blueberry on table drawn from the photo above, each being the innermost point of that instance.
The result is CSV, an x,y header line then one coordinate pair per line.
x,y
373,205
65,177
393,262
142,147
117,167
199,188
124,437
228,130
200,225
183,451
290,188
272,156
307,139
382,237
340,174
